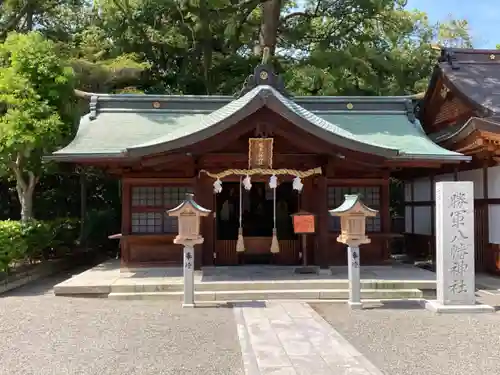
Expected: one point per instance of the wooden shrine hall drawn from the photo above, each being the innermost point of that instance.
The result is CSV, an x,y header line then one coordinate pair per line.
x,y
460,112
253,160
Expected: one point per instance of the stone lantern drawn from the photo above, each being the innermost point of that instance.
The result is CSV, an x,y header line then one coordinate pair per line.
x,y
353,214
188,214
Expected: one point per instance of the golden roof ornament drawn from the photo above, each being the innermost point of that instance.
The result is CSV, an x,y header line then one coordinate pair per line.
x,y
266,55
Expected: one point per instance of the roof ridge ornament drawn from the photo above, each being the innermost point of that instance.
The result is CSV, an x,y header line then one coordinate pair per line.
x,y
263,74
410,111
448,55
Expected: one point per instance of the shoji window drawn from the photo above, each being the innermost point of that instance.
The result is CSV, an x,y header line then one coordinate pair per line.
x,y
149,206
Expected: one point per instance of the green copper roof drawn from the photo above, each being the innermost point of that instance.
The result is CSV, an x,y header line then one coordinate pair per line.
x,y
350,201
127,125
259,97
392,131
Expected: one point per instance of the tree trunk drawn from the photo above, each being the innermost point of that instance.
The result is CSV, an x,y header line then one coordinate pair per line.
x,y
24,189
271,11
26,200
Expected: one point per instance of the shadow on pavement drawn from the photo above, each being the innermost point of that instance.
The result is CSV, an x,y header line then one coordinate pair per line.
x,y
44,285
395,305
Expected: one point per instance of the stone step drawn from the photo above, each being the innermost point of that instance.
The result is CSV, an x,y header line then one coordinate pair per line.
x,y
287,294
312,285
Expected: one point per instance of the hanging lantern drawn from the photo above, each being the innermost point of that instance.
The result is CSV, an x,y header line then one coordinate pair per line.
x,y
247,183
297,184
273,182
217,186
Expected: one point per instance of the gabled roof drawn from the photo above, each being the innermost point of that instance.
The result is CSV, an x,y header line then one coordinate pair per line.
x,y
122,126
473,75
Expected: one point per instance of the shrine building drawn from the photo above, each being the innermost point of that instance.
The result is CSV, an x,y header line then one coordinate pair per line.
x,y
460,112
259,157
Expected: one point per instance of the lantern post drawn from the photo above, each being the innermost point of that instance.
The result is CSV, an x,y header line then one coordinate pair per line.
x,y
188,214
353,214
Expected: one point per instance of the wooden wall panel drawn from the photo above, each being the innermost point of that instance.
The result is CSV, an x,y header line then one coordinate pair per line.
x,y
154,250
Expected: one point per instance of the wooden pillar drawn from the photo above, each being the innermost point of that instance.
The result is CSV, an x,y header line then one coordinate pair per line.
x,y
490,252
321,250
306,203
432,241
205,197
433,204
385,219
83,208
126,221
412,198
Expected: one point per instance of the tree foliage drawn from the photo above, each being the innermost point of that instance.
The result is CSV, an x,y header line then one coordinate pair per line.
x,y
364,47
36,90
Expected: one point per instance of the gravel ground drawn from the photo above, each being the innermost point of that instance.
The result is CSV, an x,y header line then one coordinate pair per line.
x,y
43,334
403,339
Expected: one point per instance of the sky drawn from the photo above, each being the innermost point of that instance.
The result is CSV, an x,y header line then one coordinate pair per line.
x,y
483,17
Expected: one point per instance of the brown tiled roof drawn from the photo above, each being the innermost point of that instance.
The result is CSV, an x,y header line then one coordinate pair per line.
x,y
473,75
476,75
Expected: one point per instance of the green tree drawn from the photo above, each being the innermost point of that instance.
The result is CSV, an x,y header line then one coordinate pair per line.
x,y
454,33
37,112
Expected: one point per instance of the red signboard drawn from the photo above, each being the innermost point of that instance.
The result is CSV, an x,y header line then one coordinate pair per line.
x,y
303,224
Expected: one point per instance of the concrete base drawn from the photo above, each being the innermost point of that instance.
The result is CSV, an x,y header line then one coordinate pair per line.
x,y
439,308
307,270
188,305
355,305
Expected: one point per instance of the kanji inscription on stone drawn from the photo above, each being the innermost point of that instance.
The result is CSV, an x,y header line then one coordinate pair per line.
x,y
355,260
455,243
188,261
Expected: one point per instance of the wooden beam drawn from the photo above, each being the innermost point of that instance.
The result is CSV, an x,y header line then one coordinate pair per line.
x,y
358,181
136,180
155,160
413,163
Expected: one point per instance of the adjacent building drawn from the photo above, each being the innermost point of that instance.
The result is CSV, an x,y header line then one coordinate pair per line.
x,y
460,112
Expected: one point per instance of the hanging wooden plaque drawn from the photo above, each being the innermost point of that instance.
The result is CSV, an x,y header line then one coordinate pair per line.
x,y
260,153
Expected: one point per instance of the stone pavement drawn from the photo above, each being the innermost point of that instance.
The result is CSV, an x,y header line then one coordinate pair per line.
x,y
290,338
402,338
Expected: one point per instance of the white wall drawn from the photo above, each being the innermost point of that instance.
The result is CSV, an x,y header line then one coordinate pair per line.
x,y
408,219
408,188
494,182
476,176
422,190
423,220
494,221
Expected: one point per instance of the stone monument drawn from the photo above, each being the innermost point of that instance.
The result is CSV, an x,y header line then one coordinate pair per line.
x,y
455,279
188,213
353,214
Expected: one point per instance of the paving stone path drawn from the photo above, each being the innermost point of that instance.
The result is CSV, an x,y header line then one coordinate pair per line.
x,y
290,338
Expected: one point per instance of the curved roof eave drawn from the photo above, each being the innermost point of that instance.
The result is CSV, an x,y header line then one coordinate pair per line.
x,y
259,97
